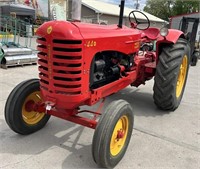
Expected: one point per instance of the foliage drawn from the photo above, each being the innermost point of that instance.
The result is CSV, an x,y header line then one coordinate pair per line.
x,y
161,8
182,7
164,9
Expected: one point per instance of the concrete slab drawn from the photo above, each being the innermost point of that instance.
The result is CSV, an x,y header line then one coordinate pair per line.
x,y
160,139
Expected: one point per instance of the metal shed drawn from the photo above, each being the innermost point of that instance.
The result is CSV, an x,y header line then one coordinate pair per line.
x,y
20,10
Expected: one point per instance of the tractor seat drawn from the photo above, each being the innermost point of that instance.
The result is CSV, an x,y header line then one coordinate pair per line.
x,y
151,33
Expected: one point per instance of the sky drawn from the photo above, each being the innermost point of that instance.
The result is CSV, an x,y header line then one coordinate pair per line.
x,y
129,3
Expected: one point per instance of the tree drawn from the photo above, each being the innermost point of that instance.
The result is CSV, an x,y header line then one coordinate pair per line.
x,y
185,6
161,8
164,9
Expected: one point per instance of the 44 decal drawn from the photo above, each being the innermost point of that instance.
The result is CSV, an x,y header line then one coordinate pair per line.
x,y
91,43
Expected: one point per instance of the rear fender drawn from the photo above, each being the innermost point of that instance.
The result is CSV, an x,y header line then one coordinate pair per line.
x,y
171,38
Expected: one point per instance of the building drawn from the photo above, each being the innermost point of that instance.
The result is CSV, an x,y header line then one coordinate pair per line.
x,y
95,11
92,11
15,9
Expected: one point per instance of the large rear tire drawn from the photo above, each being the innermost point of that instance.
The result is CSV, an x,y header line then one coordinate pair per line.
x,y
112,134
18,117
171,75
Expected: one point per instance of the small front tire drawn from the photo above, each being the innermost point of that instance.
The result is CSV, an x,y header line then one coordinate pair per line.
x,y
112,134
18,118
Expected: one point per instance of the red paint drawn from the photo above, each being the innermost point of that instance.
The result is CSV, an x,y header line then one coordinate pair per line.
x,y
151,33
120,134
29,106
171,38
64,83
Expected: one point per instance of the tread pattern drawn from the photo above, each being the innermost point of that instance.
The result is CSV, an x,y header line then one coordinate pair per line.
x,y
102,134
167,73
13,108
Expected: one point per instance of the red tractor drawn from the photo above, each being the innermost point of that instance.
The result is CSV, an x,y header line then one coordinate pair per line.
x,y
81,64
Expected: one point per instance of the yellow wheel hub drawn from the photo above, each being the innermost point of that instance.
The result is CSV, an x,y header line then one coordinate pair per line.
x,y
32,117
119,136
181,76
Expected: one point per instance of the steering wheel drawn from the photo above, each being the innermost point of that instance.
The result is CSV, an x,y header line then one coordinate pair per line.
x,y
135,22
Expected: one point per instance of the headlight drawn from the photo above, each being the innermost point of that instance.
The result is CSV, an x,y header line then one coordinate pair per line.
x,y
164,31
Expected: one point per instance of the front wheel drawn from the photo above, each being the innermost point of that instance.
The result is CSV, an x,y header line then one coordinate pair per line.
x,y
18,116
112,134
171,75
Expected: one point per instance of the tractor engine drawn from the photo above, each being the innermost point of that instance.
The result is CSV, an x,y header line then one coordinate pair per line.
x,y
107,67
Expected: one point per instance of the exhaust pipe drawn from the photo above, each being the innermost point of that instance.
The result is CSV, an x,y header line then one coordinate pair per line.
x,y
121,14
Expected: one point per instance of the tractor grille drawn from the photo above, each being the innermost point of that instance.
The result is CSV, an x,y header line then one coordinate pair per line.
x,y
60,66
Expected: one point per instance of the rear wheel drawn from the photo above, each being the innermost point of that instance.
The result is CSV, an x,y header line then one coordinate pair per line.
x,y
18,113
112,134
171,75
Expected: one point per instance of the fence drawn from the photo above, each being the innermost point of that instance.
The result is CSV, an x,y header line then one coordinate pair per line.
x,y
16,32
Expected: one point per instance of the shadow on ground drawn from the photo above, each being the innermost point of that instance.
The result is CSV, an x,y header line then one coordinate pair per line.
x,y
72,137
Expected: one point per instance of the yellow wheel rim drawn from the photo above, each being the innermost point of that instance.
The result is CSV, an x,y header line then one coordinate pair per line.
x,y
32,117
181,76
119,136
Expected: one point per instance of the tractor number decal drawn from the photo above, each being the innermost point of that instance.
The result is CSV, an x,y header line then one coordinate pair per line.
x,y
136,45
91,43
49,30
49,58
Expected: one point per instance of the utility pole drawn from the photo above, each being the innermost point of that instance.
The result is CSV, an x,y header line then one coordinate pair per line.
x,y
74,10
49,10
137,4
169,6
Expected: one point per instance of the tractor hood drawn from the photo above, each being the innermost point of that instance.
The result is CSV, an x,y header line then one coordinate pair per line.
x,y
76,30
95,37
89,31
59,29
